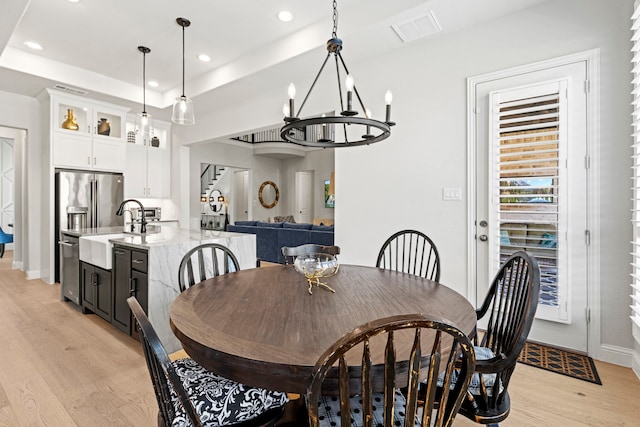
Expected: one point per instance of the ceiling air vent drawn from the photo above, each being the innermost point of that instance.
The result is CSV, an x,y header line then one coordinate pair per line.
x,y
68,89
417,27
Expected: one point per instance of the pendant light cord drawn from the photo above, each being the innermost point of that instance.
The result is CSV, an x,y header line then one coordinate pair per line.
x,y
144,80
183,61
144,51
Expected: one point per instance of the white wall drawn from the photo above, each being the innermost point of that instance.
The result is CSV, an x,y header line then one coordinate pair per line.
x,y
427,150
321,163
262,169
281,172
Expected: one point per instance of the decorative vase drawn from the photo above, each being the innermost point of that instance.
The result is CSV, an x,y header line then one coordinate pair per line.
x,y
104,128
70,122
155,142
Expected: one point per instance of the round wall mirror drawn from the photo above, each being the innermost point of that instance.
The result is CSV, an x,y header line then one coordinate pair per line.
x,y
269,194
214,200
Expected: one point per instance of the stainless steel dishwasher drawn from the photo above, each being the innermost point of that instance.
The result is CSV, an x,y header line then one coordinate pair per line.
x,y
69,268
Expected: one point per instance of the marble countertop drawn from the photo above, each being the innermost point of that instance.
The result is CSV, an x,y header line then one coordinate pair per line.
x,y
157,235
171,236
92,231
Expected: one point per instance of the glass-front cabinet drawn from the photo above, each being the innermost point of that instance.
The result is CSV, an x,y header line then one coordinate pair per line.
x,y
87,134
148,167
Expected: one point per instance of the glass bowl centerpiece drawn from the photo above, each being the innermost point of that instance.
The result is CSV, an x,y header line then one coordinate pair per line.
x,y
316,266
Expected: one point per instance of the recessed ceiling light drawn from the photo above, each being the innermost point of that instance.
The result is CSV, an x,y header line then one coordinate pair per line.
x,y
285,16
204,58
33,45
153,83
74,1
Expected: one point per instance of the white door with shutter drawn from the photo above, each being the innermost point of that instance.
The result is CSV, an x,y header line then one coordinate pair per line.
x,y
304,196
531,181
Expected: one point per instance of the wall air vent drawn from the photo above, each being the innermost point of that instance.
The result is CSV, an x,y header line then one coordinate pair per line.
x,y
68,89
417,27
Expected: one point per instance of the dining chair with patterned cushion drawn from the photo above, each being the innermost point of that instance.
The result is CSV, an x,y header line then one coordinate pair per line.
x,y
370,394
189,395
410,251
205,261
509,308
291,252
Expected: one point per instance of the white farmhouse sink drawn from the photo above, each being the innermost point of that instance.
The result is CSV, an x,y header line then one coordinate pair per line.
x,y
97,249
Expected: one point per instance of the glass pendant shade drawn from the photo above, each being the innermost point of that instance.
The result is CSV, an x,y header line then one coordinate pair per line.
x,y
144,122
144,127
183,113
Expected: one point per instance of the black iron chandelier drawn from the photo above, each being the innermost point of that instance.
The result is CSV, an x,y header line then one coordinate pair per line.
x,y
321,131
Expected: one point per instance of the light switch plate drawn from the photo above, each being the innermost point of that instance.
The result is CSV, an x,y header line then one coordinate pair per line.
x,y
452,194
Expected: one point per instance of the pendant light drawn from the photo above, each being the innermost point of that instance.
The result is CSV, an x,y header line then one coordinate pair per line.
x,y
144,122
183,113
321,131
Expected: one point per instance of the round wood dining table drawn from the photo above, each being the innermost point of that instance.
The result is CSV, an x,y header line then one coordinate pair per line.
x,y
261,327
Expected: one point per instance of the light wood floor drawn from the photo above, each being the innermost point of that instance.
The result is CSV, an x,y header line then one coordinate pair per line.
x,y
62,368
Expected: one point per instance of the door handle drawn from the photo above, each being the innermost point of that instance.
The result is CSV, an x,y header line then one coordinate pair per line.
x,y
483,237
67,243
133,285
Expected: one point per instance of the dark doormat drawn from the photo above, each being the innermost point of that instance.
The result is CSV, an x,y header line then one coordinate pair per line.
x,y
561,361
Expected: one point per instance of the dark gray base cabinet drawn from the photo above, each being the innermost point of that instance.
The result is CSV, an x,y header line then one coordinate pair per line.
x,y
96,290
129,279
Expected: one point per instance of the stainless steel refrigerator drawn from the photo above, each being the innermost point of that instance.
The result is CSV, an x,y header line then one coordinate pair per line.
x,y
86,200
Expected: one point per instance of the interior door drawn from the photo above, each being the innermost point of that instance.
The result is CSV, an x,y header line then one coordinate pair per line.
x,y
7,178
240,196
12,198
531,187
304,196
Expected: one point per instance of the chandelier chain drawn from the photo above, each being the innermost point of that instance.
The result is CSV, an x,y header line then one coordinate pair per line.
x,y
335,19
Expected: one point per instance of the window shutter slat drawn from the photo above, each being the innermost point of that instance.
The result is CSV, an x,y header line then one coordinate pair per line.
x,y
527,153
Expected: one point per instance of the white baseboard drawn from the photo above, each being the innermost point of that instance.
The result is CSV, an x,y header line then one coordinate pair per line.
x,y
17,265
33,274
617,355
635,364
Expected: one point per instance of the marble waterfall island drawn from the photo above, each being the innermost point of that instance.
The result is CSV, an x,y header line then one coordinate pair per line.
x,y
165,251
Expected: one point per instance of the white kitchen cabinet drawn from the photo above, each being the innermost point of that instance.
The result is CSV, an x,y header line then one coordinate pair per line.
x,y
89,146
148,167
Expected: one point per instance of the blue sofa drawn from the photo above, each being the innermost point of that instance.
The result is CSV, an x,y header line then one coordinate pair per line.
x,y
271,236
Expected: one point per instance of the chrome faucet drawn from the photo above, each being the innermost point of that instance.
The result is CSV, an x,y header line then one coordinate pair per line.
x,y
143,221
